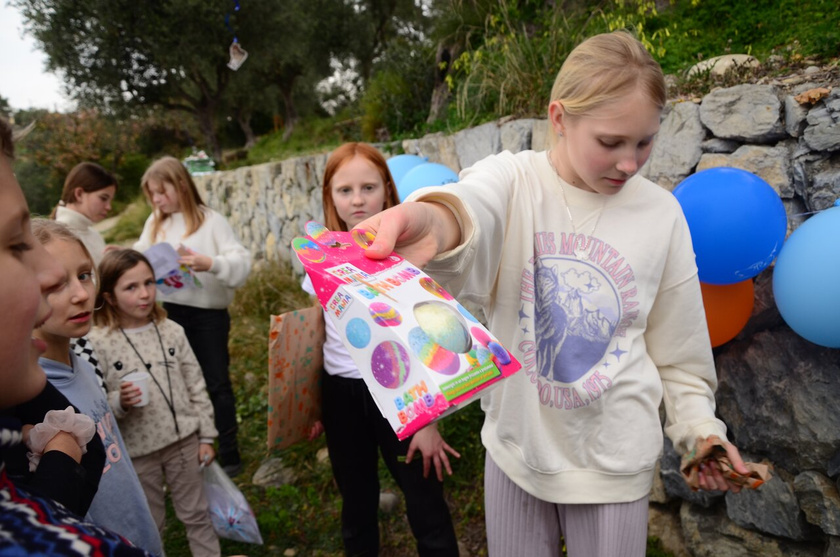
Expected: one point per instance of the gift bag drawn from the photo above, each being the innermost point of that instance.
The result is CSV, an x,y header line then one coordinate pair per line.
x,y
231,515
295,360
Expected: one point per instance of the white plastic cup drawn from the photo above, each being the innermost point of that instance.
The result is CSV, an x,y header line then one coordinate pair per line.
x,y
139,379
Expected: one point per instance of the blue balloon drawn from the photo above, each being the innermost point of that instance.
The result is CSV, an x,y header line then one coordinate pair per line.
x,y
737,221
428,174
806,279
401,164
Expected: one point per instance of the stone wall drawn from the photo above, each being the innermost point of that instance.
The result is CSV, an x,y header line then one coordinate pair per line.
x,y
778,393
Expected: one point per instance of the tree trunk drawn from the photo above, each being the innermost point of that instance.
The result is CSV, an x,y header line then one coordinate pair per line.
x,y
243,118
205,116
441,94
292,115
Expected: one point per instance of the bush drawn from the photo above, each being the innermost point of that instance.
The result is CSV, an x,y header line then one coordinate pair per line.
x,y
131,222
513,70
691,31
396,99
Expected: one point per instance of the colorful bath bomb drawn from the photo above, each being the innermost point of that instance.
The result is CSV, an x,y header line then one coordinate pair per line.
x,y
390,364
502,355
444,325
358,332
309,250
384,315
483,355
433,355
463,311
363,238
481,336
430,286
317,232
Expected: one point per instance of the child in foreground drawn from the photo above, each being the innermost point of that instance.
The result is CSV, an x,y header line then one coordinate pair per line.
x,y
72,317
31,524
357,184
172,436
587,274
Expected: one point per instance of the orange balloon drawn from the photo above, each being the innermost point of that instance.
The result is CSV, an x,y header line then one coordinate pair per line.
x,y
728,308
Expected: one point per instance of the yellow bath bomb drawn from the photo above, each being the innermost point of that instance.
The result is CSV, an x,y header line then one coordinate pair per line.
x,y
443,325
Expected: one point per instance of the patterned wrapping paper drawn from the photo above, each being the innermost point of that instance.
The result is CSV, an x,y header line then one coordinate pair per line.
x,y
712,452
295,360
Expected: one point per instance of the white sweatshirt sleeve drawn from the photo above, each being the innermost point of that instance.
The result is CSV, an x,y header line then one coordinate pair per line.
x,y
232,262
145,241
677,340
480,202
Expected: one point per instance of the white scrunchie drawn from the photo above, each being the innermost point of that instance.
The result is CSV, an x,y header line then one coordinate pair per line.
x,y
80,426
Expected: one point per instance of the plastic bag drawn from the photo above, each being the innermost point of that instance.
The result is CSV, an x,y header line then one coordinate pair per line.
x,y
231,515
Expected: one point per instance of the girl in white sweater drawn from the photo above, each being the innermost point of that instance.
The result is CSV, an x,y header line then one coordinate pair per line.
x,y
208,246
85,201
586,272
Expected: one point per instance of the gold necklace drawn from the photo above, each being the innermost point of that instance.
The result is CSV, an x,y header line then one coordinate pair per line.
x,y
581,252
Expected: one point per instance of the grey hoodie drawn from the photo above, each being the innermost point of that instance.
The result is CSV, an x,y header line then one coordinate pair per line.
x,y
120,504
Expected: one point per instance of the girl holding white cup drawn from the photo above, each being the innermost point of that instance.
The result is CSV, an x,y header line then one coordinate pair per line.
x,y
171,435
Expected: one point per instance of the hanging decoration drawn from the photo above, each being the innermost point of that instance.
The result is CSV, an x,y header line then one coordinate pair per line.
x,y
238,55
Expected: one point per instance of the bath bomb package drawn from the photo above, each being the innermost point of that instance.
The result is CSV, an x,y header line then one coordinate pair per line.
x,y
420,352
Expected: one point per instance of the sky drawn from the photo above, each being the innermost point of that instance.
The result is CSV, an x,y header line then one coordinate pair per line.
x,y
24,81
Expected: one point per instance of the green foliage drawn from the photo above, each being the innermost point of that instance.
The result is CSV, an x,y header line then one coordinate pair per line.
x,y
130,224
5,107
271,289
690,31
396,98
508,67
513,69
35,181
312,135
634,14
58,142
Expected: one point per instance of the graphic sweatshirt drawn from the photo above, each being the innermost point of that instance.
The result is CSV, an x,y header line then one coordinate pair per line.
x,y
119,489
603,339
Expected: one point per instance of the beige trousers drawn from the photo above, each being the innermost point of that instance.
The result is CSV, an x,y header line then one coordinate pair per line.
x,y
177,464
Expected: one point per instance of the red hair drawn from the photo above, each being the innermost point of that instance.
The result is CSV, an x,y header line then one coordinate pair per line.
x,y
338,158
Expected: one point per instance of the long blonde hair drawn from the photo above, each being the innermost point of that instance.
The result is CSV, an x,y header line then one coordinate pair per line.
x,y
603,69
171,170
338,158
46,230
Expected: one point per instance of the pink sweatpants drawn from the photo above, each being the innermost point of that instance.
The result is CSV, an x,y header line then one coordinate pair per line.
x,y
519,524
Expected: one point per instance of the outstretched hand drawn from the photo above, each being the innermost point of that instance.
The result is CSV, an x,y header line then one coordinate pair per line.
x,y
433,448
418,231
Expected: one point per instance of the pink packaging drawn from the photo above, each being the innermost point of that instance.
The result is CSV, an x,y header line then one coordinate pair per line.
x,y
421,353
